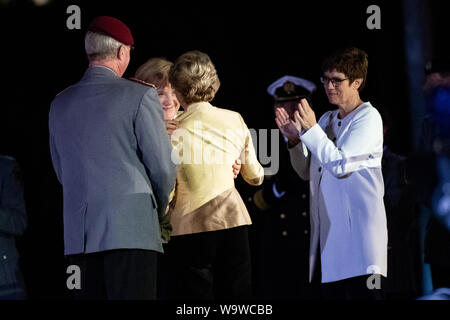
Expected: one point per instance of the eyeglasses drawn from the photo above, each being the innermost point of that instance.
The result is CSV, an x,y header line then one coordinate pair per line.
x,y
335,81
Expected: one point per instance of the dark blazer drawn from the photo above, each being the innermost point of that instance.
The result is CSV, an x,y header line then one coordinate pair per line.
x,y
112,155
13,221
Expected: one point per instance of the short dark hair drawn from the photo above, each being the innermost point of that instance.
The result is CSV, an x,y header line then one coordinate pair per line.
x,y
350,61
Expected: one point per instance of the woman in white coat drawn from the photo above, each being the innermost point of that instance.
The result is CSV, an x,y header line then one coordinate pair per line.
x,y
341,157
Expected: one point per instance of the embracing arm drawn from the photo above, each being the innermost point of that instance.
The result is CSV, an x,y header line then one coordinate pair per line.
x,y
251,169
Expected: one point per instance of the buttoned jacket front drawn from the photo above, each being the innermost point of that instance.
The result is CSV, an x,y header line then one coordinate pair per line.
x,y
342,160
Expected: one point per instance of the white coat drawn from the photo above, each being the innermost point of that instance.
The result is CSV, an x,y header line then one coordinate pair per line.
x,y
342,160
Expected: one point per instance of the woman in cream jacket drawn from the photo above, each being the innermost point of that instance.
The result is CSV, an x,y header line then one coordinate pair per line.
x,y
209,247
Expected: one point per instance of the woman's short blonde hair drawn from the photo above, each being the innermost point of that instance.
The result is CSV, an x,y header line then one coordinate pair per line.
x,y
155,71
194,76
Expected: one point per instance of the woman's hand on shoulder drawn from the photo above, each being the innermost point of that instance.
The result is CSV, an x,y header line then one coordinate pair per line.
x,y
236,168
171,126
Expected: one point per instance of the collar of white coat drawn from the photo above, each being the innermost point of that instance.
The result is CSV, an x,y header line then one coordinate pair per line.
x,y
352,113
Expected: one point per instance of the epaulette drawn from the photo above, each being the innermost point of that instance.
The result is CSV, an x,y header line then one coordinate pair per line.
x,y
145,83
62,91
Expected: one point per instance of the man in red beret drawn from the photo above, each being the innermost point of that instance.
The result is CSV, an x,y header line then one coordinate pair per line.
x,y
109,29
112,155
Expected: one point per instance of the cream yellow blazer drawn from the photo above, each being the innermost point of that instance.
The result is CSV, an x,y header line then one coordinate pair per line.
x,y
205,146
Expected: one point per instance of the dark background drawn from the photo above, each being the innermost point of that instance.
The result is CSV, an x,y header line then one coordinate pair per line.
x,y
251,45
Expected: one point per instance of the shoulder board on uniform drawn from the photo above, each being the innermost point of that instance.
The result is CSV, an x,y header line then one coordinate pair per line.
x,y
62,91
145,83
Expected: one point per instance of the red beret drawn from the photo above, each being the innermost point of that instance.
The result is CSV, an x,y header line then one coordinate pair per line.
x,y
112,27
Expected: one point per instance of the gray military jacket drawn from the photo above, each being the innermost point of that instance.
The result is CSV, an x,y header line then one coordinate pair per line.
x,y
112,155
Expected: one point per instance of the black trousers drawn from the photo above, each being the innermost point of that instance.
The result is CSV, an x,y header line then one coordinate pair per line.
x,y
125,274
355,288
210,265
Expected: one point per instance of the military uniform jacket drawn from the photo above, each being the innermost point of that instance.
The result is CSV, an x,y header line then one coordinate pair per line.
x,y
111,153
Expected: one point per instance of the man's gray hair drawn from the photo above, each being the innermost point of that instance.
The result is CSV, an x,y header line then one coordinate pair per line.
x,y
100,47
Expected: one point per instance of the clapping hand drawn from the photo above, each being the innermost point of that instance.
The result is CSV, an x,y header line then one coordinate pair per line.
x,y
305,116
290,129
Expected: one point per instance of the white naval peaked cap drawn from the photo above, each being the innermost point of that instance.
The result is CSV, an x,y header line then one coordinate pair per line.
x,y
308,85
